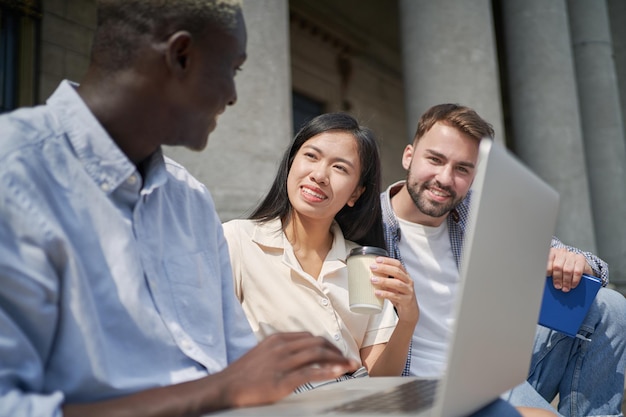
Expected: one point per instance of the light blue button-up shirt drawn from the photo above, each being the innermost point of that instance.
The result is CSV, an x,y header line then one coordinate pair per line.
x,y
110,283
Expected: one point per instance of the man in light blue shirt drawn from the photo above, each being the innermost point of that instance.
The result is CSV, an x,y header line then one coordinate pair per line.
x,y
115,285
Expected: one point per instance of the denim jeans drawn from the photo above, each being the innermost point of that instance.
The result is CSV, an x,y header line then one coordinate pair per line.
x,y
588,375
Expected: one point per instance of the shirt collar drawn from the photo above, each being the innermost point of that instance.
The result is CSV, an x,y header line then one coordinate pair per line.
x,y
103,160
155,171
394,188
270,234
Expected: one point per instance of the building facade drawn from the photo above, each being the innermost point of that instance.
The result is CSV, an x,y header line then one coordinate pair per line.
x,y
549,75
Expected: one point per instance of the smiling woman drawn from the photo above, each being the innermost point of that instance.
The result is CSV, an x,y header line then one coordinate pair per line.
x,y
361,222
288,259
324,176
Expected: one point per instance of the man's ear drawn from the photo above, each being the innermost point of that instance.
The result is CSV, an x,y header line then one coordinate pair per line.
x,y
407,156
178,52
355,196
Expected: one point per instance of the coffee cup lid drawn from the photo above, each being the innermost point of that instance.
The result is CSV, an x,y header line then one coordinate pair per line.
x,y
368,250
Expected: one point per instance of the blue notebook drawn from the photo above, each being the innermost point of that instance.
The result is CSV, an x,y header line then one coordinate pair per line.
x,y
565,311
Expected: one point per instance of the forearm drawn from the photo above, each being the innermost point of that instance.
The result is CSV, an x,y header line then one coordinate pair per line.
x,y
192,398
392,359
267,373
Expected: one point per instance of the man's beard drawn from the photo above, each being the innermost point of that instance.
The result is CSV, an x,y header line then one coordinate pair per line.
x,y
427,206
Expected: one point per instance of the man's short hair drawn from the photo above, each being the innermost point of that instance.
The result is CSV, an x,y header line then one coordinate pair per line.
x,y
460,117
123,25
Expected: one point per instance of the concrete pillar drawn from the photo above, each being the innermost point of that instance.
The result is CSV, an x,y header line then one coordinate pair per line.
x,y
617,17
450,56
545,120
603,128
242,156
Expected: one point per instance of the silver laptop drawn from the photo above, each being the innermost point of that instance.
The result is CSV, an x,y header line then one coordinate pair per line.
x,y
512,219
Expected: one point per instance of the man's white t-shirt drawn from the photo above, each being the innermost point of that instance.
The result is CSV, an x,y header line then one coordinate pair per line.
x,y
435,275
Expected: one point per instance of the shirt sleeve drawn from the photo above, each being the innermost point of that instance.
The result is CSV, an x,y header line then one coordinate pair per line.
x,y
239,335
234,253
28,311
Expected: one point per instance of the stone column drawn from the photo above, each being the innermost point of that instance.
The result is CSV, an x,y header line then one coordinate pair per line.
x,y
242,156
450,56
545,120
617,17
603,128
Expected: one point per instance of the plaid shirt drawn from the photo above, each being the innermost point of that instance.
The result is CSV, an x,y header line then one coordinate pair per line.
x,y
457,223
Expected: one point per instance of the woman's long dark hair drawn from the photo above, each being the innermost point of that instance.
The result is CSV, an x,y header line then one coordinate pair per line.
x,y
361,223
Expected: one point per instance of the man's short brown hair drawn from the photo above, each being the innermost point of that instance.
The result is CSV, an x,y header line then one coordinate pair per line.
x,y
460,117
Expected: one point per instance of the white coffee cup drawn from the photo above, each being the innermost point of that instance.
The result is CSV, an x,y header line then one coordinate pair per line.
x,y
360,288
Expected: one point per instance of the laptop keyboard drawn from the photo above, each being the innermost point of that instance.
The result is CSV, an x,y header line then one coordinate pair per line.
x,y
414,395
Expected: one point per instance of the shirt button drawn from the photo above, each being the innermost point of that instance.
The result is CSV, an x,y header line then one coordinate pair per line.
x,y
185,344
336,337
324,301
105,187
132,180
